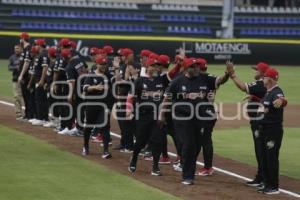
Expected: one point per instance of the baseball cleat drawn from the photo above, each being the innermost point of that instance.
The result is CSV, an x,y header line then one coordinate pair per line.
x,y
177,167
85,151
271,191
106,155
156,172
32,120
164,160
253,183
177,160
97,139
124,150
38,123
49,124
205,172
188,182
132,165
261,186
63,132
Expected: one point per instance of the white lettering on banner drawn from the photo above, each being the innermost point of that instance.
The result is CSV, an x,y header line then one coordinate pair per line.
x,y
222,48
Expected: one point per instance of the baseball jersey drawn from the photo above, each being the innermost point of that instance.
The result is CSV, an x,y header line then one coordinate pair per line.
x,y
60,67
191,91
25,56
257,90
50,72
150,91
95,79
270,114
40,62
75,68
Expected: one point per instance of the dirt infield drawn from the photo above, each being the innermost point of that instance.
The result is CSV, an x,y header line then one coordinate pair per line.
x,y
219,186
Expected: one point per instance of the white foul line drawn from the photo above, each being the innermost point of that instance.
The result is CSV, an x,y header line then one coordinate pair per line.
x,y
198,163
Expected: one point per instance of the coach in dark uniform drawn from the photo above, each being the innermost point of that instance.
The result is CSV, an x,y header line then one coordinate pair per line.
x,y
256,91
271,130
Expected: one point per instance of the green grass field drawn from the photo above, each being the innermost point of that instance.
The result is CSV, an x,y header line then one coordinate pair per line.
x,y
32,169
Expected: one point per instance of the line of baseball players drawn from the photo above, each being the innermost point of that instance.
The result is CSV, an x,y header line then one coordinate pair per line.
x,y
151,98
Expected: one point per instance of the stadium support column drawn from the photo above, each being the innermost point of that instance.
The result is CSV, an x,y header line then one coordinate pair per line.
x,y
228,19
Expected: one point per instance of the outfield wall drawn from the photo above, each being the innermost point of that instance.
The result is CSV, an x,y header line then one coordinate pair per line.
x,y
241,51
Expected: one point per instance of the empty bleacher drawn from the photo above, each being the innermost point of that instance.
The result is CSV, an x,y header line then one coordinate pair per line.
x,y
111,17
146,17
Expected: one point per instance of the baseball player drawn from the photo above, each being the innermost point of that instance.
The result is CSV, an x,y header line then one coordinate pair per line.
x,y
23,78
210,114
128,74
41,63
31,83
96,85
255,91
187,92
52,53
271,130
75,68
148,95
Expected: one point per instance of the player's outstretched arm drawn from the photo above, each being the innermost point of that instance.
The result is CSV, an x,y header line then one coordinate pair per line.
x,y
230,70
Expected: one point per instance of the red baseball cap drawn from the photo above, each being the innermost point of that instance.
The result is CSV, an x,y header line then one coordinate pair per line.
x,y
202,63
34,50
65,42
66,53
188,62
262,67
153,56
93,51
108,49
40,42
52,52
271,73
101,60
145,53
126,52
73,44
164,60
101,52
151,62
25,36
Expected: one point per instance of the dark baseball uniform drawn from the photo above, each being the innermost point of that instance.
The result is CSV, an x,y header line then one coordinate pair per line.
x,y
96,115
26,56
40,62
189,92
271,131
75,68
148,96
257,91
